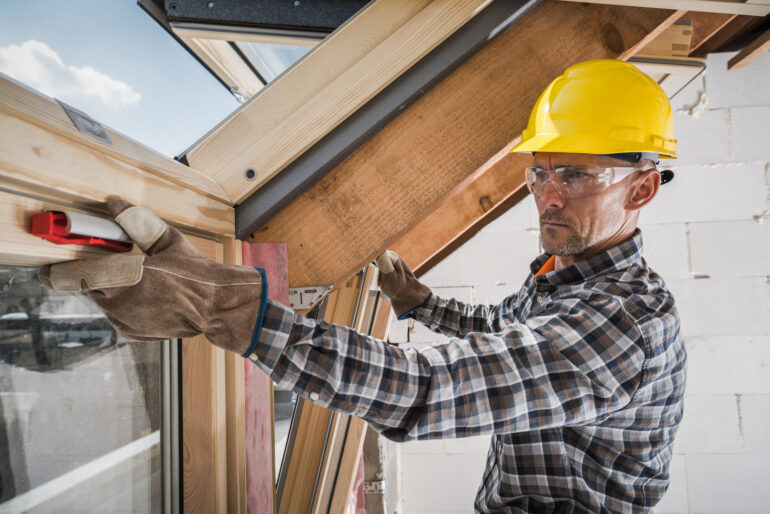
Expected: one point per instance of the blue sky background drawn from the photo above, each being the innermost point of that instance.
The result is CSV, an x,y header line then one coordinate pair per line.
x,y
167,100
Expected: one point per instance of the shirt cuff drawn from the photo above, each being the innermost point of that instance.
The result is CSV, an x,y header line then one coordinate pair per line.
x,y
271,339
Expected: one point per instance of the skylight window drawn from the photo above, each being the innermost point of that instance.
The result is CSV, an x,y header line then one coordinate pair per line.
x,y
270,60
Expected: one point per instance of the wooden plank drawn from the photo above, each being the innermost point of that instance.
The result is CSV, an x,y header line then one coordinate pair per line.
x,y
476,202
204,434
760,8
672,42
732,30
749,54
351,456
401,174
203,441
705,25
235,398
297,495
334,448
330,106
374,316
36,108
260,423
37,159
226,63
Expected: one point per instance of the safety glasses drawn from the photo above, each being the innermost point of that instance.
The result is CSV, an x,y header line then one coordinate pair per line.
x,y
576,181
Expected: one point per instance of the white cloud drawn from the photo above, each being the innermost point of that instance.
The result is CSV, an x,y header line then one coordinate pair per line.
x,y
38,65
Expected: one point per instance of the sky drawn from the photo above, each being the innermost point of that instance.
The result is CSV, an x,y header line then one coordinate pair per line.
x,y
111,60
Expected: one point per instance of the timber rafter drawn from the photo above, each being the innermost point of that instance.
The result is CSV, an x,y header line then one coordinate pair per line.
x,y
377,195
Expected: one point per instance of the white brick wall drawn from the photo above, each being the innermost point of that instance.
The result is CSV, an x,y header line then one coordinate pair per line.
x,y
708,235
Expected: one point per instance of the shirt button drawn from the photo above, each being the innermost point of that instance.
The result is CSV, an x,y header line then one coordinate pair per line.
x,y
539,298
254,357
314,397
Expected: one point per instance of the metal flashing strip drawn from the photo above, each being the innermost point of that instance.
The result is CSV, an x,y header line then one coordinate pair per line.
x,y
322,157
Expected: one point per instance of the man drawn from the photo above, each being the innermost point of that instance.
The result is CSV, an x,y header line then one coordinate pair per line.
x,y
579,375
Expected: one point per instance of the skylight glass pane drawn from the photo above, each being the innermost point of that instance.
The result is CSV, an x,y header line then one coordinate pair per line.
x,y
270,60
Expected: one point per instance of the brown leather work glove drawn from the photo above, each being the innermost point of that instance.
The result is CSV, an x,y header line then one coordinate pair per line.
x,y
400,285
173,291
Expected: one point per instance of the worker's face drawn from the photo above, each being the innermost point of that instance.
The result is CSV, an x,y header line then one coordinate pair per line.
x,y
581,227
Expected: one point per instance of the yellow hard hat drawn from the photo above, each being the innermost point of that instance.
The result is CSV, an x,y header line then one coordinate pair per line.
x,y
601,107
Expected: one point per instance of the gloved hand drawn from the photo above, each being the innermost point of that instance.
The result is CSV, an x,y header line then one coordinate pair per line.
x,y
173,291
399,284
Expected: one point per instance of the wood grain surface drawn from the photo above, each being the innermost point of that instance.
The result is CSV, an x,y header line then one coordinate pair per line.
x,y
399,176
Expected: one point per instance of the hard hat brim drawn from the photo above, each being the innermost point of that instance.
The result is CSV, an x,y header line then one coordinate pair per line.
x,y
558,143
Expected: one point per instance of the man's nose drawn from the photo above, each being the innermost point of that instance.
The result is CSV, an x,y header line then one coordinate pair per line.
x,y
551,197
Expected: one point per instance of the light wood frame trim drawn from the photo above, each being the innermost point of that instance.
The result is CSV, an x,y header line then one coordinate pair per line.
x,y
34,107
225,62
235,398
301,124
308,446
42,161
751,8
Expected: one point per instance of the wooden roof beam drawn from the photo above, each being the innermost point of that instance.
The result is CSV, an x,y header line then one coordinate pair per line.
x,y
751,8
752,51
398,177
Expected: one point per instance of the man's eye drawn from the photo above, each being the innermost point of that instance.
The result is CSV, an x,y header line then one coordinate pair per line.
x,y
572,175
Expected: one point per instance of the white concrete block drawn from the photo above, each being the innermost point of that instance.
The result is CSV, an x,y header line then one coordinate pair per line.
x,y
522,216
730,248
463,294
710,193
665,249
436,483
717,307
703,138
736,88
478,445
732,364
675,499
487,258
709,425
421,336
755,422
398,331
728,483
493,295
688,99
750,131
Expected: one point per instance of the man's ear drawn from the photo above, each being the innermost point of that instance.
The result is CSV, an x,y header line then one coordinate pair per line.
x,y
643,190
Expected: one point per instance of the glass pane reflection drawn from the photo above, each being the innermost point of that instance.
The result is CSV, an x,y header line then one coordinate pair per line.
x,y
80,406
271,60
284,402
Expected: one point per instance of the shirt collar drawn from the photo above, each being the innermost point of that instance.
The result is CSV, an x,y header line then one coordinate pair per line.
x,y
620,256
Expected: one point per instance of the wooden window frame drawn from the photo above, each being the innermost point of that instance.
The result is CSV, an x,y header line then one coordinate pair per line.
x,y
49,165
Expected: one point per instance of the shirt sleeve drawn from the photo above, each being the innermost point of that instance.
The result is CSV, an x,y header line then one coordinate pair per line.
x,y
576,362
454,318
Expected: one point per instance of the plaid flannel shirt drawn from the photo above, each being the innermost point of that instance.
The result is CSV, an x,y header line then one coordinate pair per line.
x,y
579,377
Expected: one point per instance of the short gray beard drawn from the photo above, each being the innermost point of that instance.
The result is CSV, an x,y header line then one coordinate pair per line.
x,y
573,246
